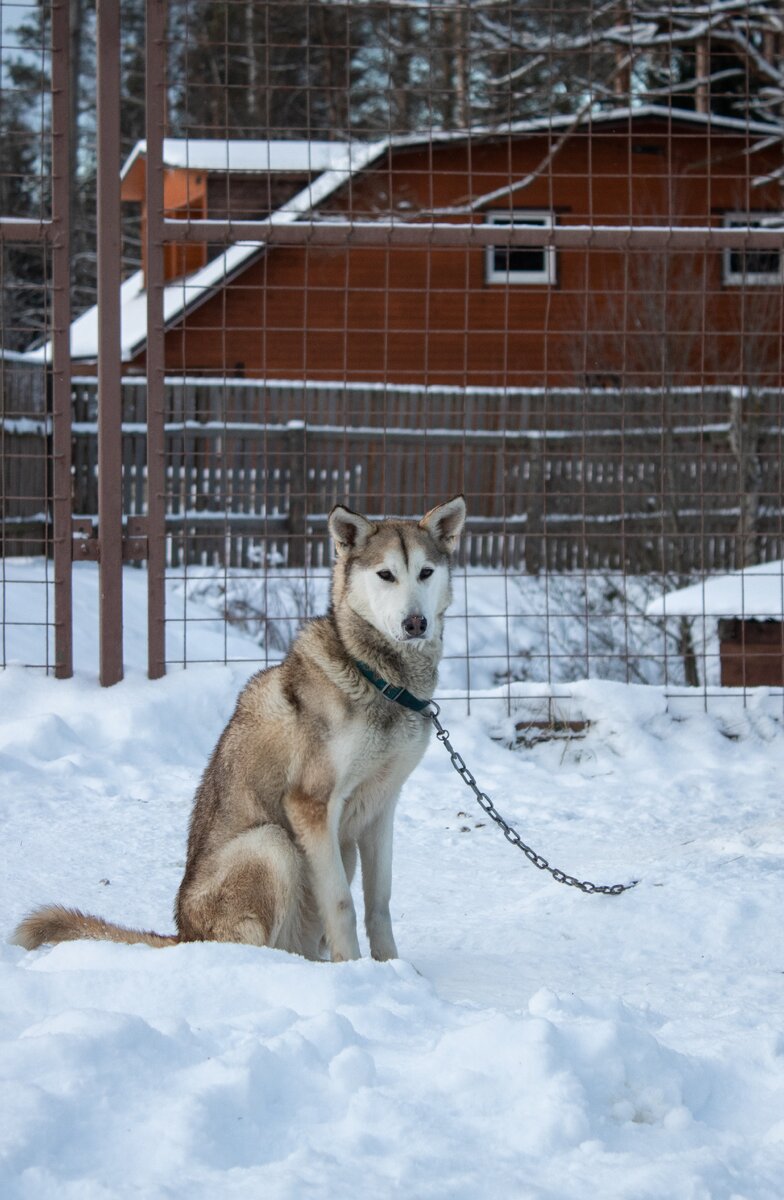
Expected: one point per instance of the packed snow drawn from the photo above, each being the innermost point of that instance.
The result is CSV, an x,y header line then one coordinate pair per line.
x,y
533,1042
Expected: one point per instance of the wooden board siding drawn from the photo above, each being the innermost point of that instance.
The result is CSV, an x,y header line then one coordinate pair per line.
x,y
241,197
559,481
427,317
25,466
752,653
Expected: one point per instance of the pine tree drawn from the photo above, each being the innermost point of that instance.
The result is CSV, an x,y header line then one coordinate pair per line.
x,y
25,156
24,177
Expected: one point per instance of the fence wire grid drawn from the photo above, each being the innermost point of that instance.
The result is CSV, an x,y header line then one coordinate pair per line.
x,y
262,258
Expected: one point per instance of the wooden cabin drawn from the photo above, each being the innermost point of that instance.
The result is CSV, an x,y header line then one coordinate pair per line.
x,y
486,317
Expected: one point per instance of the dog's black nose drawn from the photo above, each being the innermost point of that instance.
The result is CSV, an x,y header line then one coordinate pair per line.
x,y
415,625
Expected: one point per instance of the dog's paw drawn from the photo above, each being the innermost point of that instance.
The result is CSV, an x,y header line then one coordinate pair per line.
x,y
384,949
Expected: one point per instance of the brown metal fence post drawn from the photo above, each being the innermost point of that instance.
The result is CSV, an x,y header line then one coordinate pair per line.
x,y
61,341
109,343
155,96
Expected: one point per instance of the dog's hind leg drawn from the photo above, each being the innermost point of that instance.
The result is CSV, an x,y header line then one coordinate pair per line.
x,y
248,891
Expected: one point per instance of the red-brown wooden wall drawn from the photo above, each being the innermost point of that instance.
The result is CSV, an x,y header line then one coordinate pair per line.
x,y
427,316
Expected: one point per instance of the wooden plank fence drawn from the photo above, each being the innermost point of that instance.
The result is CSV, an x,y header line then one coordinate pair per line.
x,y
556,480
25,459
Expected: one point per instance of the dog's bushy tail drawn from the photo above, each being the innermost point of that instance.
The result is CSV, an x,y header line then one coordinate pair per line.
x,y
54,923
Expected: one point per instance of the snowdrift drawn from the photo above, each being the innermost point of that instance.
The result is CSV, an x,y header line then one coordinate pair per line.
x,y
532,1042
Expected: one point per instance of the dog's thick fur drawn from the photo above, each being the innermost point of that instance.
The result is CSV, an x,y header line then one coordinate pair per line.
x,y
308,770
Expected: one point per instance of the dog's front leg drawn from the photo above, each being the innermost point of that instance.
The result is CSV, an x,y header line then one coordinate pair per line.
x,y
316,821
375,851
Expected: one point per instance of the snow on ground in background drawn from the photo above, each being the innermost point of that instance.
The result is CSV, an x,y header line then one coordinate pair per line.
x,y
194,632
499,627
533,1043
559,627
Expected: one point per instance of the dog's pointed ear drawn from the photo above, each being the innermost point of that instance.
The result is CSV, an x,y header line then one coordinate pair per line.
x,y
348,529
445,523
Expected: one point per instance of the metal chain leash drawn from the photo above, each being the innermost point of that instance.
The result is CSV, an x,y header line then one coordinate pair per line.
x,y
511,835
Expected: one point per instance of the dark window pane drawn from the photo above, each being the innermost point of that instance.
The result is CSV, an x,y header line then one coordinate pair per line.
x,y
519,258
750,263
761,262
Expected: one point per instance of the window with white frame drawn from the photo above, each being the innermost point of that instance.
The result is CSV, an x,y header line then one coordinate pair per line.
x,y
520,264
752,265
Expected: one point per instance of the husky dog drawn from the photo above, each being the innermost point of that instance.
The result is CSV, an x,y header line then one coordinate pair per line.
x,y
309,768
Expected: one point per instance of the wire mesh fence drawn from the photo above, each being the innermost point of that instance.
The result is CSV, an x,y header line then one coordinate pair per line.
x,y
25,291
377,254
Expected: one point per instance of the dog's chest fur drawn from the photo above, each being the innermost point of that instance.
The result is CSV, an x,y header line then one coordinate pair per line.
x,y
371,762
298,733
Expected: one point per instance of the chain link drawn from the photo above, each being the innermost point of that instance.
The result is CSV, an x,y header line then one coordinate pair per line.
x,y
511,835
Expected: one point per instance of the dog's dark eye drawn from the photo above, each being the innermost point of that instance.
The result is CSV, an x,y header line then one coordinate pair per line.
x,y
426,572
387,576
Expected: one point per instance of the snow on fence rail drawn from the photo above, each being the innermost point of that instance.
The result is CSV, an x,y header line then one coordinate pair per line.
x,y
644,479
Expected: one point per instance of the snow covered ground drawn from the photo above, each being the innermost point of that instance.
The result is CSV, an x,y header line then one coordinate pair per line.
x,y
533,1043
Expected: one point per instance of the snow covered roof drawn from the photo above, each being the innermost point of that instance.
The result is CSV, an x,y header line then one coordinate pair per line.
x,y
231,154
179,295
216,154
182,295
607,116
755,592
